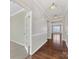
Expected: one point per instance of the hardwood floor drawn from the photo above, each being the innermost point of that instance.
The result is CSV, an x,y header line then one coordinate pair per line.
x,y
47,51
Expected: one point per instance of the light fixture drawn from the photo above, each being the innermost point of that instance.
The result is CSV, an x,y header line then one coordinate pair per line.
x,y
53,6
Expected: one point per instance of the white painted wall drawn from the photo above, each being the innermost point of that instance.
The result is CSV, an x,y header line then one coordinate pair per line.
x,y
39,26
17,28
39,34
49,29
21,29
66,30
38,40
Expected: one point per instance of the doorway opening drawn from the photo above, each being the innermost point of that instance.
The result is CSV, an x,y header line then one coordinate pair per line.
x,y
57,35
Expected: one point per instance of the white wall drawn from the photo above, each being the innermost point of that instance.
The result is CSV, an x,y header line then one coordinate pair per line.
x,y
39,26
39,33
66,30
17,30
38,41
21,29
49,29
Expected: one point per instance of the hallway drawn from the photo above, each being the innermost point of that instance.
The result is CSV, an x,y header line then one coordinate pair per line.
x,y
48,52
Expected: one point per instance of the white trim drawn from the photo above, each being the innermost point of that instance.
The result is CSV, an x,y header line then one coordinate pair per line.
x,y
38,47
26,47
30,43
21,45
30,32
56,20
18,43
39,34
17,12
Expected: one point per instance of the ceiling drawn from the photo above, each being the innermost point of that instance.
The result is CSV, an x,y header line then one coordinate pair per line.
x,y
14,8
40,8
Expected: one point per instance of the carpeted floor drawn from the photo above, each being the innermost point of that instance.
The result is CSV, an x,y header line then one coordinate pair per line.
x,y
17,51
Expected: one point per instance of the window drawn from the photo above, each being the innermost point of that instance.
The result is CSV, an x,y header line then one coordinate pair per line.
x,y
56,28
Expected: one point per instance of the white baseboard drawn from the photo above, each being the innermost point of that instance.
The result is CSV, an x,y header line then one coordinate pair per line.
x,y
38,47
17,43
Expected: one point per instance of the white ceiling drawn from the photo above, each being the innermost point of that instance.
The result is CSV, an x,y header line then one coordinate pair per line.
x,y
14,8
40,8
